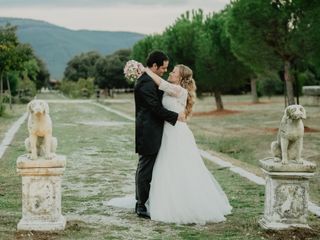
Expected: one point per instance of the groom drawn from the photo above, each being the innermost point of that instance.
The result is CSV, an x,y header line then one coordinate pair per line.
x,y
150,117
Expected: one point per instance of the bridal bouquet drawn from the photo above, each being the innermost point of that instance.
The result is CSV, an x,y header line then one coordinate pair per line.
x,y
133,70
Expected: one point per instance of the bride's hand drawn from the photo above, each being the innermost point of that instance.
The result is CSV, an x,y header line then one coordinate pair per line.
x,y
154,76
182,117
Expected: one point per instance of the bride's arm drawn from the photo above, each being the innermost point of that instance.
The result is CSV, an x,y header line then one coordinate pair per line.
x,y
171,89
154,76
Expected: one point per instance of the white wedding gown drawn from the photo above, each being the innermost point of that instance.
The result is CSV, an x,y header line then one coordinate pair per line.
x,y
182,189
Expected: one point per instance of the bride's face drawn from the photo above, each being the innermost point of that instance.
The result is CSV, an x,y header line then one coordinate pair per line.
x,y
174,76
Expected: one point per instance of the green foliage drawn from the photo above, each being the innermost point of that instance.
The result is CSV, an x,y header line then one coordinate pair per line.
x,y
269,86
86,87
141,49
81,66
82,88
308,78
13,55
42,76
246,27
27,86
19,62
14,79
181,38
178,41
26,90
8,43
217,67
109,70
30,69
273,35
67,87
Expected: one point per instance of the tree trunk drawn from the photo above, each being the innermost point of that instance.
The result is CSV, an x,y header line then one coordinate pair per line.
x,y
289,83
297,88
9,90
285,94
217,97
254,94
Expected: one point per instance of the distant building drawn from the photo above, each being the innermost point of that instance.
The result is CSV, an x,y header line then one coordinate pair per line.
x,y
53,83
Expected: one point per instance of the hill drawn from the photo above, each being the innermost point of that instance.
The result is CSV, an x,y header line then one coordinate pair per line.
x,y
56,45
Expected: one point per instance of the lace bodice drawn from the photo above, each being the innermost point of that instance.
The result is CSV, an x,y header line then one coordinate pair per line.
x,y
175,96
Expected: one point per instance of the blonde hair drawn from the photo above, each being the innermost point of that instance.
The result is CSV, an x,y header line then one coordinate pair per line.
x,y
188,83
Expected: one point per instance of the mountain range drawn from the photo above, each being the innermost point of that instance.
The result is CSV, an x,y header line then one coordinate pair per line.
x,y
57,45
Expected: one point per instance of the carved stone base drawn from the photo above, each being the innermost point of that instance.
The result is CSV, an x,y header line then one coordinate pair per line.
x,y
267,224
286,194
37,225
41,193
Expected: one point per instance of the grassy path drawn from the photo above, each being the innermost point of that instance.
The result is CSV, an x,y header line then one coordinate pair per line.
x,y
10,117
101,163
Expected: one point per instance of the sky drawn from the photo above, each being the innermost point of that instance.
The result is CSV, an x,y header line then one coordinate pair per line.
x,y
142,16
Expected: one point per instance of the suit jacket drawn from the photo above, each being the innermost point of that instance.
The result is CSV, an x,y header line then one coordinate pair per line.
x,y
150,116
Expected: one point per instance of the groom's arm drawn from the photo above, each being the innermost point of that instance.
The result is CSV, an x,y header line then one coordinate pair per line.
x,y
149,93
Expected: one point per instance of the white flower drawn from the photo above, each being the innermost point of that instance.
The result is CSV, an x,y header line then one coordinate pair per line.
x,y
133,70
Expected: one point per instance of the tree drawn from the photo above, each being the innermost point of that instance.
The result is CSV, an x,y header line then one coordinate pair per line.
x,y
8,43
13,55
217,68
178,41
30,69
109,70
43,75
82,66
272,35
180,38
148,44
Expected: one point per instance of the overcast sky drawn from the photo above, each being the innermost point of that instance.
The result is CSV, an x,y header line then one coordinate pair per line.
x,y
143,16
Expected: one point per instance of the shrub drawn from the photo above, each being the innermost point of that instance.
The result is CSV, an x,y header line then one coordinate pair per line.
x,y
82,88
27,90
67,87
270,86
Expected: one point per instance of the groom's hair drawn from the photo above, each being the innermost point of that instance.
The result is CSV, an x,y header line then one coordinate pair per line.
x,y
157,57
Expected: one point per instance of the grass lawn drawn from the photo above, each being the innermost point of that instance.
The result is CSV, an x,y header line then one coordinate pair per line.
x,y
10,117
101,165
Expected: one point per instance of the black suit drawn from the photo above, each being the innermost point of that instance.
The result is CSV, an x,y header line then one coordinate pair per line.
x,y
150,117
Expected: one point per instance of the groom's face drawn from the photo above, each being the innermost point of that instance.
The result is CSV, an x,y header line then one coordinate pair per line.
x,y
160,70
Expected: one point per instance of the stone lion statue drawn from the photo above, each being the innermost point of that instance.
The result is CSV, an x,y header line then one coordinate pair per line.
x,y
289,143
40,141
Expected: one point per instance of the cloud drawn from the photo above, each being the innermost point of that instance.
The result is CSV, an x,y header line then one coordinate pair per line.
x,y
107,3
152,17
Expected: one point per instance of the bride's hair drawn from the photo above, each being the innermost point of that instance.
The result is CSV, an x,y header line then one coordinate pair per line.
x,y
188,83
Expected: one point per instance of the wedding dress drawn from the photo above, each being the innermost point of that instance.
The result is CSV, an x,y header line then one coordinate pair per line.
x,y
182,189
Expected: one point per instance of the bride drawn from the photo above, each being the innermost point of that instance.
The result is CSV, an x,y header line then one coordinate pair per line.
x,y
182,189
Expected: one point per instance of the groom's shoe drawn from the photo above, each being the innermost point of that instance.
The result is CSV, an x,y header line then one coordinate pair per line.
x,y
141,211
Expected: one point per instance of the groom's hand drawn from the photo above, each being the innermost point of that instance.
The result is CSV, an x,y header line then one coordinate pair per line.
x,y
182,117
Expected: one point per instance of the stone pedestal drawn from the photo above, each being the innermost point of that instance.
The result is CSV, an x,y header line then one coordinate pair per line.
x,y
41,193
286,194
